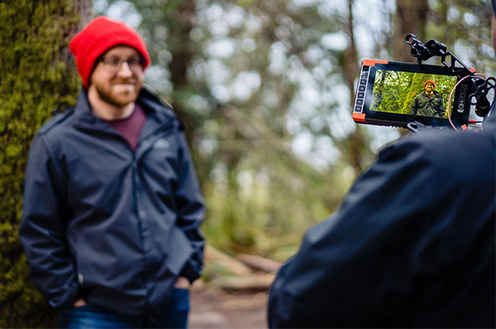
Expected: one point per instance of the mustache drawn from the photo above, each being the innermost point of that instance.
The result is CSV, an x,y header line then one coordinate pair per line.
x,y
130,80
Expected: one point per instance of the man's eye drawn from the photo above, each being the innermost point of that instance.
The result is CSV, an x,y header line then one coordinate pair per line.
x,y
112,61
134,61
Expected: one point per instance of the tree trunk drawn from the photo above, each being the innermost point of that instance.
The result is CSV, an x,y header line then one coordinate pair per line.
x,y
355,147
37,76
411,17
85,9
181,24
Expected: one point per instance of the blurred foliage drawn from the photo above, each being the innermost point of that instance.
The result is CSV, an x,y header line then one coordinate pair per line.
x,y
34,80
254,69
265,87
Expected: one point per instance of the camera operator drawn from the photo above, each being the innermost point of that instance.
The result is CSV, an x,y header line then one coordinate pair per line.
x,y
413,244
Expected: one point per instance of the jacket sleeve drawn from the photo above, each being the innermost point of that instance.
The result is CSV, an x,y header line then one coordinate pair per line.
x,y
352,268
42,228
191,210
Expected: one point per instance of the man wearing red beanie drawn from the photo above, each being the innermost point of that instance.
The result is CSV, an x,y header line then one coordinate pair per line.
x,y
112,206
430,103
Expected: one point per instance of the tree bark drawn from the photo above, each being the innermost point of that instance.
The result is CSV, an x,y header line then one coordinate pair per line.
x,y
356,146
37,75
85,9
181,24
411,17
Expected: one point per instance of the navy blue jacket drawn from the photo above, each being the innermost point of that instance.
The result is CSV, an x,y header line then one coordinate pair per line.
x,y
413,244
106,223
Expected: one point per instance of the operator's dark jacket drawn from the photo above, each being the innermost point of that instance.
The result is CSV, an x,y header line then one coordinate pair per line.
x,y
429,107
106,223
413,244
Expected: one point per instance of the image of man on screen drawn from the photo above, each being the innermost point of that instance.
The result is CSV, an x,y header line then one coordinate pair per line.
x,y
429,103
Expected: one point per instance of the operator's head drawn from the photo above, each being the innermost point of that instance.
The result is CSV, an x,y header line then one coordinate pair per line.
x,y
92,45
429,86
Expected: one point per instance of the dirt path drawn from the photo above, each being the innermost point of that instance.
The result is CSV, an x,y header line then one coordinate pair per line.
x,y
212,308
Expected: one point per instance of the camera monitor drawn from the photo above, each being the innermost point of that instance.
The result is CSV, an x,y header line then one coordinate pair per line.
x,y
395,94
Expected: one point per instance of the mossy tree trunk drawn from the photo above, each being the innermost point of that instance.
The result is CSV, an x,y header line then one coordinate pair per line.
x,y
355,148
37,76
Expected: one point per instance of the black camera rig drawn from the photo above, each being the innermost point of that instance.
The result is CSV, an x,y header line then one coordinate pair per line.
x,y
480,84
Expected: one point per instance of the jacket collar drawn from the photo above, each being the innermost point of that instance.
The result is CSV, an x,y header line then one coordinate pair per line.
x,y
158,114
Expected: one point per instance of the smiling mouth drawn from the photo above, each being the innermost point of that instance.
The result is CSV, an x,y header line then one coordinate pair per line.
x,y
124,84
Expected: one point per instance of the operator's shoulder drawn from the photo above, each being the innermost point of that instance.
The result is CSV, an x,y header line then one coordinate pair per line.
x,y
56,121
447,137
438,146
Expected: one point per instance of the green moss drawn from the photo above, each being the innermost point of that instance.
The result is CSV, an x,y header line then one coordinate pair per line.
x,y
36,77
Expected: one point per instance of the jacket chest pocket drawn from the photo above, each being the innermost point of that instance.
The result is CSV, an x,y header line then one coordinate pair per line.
x,y
98,181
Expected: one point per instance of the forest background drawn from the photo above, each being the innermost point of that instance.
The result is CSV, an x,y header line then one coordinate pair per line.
x,y
395,91
265,89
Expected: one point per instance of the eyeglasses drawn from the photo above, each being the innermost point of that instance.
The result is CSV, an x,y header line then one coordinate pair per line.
x,y
114,64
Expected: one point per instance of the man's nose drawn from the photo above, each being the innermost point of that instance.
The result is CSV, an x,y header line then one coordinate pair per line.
x,y
125,70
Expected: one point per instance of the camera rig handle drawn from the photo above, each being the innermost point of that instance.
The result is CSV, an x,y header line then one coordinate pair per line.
x,y
433,48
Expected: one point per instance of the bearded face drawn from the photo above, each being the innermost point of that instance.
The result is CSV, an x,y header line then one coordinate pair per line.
x,y
429,87
118,77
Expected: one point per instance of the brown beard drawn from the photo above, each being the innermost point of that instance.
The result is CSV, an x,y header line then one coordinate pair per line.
x,y
107,96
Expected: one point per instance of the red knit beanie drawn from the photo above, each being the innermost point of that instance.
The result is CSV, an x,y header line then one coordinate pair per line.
x,y
434,84
97,37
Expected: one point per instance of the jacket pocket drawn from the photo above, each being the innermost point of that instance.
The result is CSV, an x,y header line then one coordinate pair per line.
x,y
180,250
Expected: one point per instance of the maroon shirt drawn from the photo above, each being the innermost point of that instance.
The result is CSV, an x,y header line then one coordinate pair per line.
x,y
130,128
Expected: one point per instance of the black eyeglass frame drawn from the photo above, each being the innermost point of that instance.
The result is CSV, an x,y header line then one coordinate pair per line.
x,y
141,61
